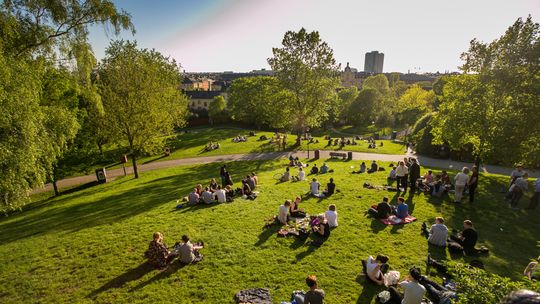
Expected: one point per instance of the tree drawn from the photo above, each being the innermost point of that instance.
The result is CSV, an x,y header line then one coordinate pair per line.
x,y
364,110
494,109
305,66
414,103
378,82
141,97
260,101
346,97
217,109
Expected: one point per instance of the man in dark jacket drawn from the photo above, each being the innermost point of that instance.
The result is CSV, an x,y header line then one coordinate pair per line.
x,y
414,174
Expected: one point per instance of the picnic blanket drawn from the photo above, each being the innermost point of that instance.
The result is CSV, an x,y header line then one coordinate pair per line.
x,y
253,296
394,220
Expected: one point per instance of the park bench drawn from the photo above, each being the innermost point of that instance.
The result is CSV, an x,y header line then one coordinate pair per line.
x,y
338,154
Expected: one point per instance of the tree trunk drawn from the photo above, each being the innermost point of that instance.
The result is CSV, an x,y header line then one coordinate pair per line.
x,y
477,161
55,187
135,170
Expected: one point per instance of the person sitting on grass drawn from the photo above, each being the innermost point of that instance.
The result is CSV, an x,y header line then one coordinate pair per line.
x,y
324,169
229,192
193,197
301,174
314,187
362,167
330,188
375,268
208,197
402,210
255,179
286,176
199,189
466,239
436,293
187,252
295,210
331,216
314,295
445,179
392,175
213,185
251,182
246,190
314,169
221,195
383,210
158,254
428,177
532,271
413,291
374,167
321,226
283,212
438,233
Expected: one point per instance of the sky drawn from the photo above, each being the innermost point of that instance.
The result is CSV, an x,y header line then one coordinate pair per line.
x,y
238,35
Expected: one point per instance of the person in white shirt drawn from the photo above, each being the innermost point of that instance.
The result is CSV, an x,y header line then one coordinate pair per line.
x,y
283,212
331,216
413,291
461,180
402,172
438,233
220,195
301,174
518,172
314,187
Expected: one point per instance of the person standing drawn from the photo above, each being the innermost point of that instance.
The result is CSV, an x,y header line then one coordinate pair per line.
x,y
517,173
414,174
401,174
223,175
519,187
473,183
461,180
536,196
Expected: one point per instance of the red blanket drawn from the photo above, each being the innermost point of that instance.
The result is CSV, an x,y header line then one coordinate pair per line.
x,y
394,220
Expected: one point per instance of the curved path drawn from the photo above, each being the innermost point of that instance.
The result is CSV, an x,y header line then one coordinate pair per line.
x,y
424,161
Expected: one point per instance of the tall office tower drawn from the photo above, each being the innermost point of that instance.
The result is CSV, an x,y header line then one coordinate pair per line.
x,y
374,62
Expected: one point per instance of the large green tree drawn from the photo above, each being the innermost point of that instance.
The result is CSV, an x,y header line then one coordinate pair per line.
x,y
305,66
141,97
38,39
495,108
414,103
260,101
217,110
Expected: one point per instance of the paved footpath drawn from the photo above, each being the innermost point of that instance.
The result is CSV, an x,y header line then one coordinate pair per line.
x,y
424,161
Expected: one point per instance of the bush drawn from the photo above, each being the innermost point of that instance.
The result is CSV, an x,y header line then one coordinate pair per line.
x,y
476,286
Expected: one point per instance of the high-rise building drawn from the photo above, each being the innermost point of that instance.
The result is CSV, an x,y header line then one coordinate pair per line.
x,y
374,62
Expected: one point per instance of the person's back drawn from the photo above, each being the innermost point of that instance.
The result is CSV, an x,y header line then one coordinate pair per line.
x,y
383,210
283,212
193,198
314,186
461,179
470,237
301,175
331,217
221,196
314,169
522,184
330,187
414,171
402,211
413,292
363,168
374,167
208,197
315,296
251,182
438,235
185,251
324,169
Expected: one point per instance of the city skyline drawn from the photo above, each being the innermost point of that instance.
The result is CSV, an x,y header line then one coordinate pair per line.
x,y
238,35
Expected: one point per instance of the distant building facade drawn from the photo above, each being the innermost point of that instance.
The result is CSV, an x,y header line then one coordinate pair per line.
x,y
351,78
374,62
199,100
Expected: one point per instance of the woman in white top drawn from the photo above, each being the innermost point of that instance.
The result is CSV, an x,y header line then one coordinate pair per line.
x,y
331,216
461,180
301,174
373,268
314,187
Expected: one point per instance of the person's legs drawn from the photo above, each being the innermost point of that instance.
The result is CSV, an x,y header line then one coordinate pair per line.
x,y
433,294
472,190
373,212
515,198
404,182
458,193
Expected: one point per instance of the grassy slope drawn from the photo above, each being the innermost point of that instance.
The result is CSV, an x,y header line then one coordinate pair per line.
x,y
88,245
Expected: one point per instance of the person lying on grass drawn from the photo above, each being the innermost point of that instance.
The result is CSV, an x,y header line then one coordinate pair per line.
x,y
188,253
320,226
158,253
283,212
295,210
375,268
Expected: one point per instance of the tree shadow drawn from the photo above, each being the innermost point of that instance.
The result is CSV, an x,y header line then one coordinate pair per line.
x,y
154,159
130,275
173,267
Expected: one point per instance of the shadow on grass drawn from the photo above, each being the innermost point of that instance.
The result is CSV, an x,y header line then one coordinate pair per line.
x,y
154,159
266,234
174,267
311,246
369,290
130,275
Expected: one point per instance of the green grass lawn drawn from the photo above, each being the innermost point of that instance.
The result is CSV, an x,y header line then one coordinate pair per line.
x,y
88,245
192,144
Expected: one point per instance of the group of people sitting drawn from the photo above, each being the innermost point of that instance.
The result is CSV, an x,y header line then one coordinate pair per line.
x,y
384,210
216,193
374,167
301,176
239,138
211,146
315,187
372,144
320,224
159,255
340,141
457,242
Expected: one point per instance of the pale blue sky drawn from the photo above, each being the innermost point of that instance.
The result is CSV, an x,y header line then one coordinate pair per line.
x,y
238,35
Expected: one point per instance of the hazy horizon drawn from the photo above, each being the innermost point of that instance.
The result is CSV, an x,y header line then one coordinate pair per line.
x,y
238,35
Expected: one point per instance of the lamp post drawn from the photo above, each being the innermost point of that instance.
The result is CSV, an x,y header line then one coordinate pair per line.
x,y
308,150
